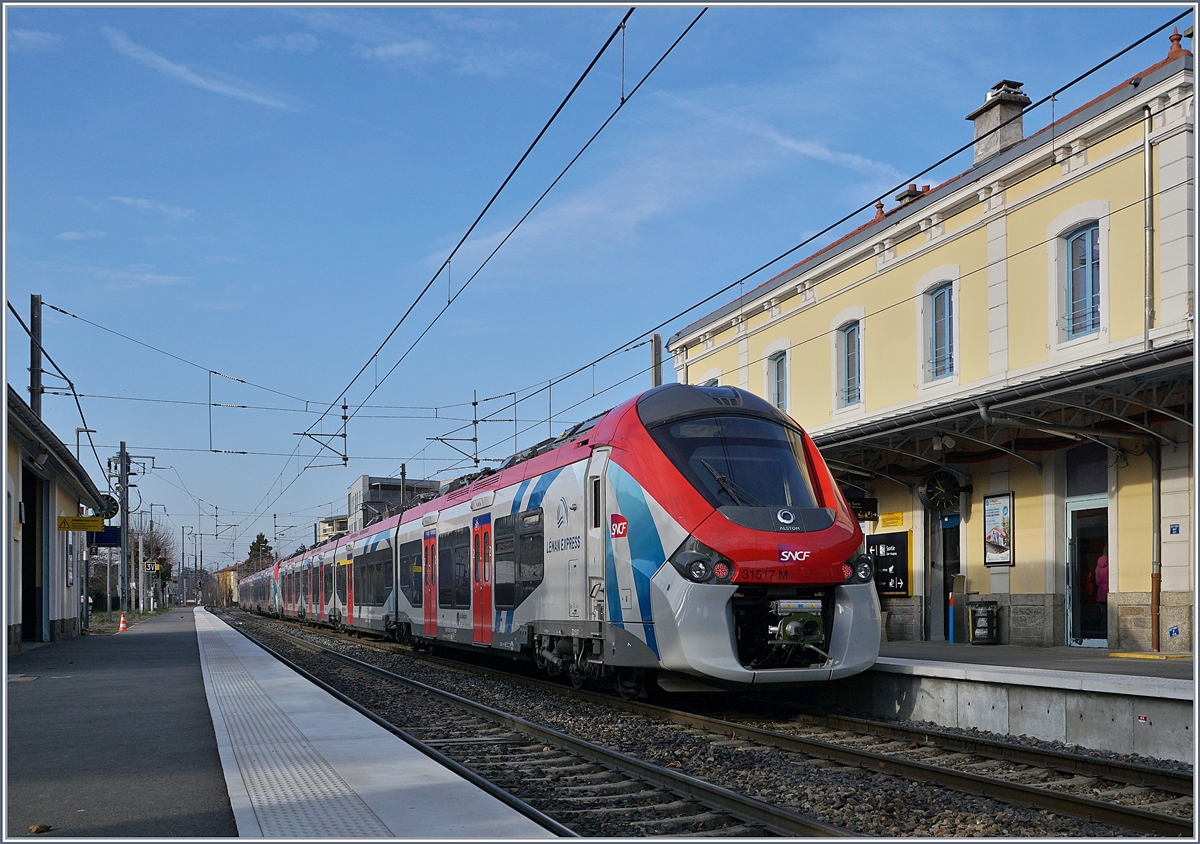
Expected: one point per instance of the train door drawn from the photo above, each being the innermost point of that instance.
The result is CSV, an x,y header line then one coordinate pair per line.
x,y
429,573
481,551
339,586
350,585
314,590
321,588
597,534
304,610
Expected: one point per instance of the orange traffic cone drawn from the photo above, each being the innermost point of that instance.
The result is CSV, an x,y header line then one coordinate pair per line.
x,y
122,628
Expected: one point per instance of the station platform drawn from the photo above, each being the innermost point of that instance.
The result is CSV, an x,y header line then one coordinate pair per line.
x,y
1079,696
182,727
1090,669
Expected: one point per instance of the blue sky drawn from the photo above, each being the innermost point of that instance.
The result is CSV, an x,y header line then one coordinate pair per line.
x,y
264,191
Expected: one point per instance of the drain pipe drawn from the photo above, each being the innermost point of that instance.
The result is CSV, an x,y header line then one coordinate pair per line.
x,y
1148,209
1155,449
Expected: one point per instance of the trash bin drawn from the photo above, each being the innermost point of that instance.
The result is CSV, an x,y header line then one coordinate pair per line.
x,y
985,622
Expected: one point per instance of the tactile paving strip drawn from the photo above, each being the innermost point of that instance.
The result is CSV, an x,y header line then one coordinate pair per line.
x,y
295,792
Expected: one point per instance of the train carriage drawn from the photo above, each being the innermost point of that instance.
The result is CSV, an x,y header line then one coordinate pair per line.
x,y
692,534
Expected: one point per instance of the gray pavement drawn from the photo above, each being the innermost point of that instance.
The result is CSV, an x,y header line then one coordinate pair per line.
x,y
111,736
1095,660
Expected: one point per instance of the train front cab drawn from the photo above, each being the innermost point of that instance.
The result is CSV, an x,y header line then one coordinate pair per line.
x,y
797,604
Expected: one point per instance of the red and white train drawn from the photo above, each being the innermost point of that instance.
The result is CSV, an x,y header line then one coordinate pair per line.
x,y
692,535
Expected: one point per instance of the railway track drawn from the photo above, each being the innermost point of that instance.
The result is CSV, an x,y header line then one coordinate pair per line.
x,y
590,789
1119,794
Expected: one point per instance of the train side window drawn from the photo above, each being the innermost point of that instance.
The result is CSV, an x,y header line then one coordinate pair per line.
x,y
328,574
596,502
454,569
445,573
504,594
340,576
487,556
410,571
477,555
531,566
462,573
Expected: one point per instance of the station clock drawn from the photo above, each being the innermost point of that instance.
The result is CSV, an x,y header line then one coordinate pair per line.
x,y
939,490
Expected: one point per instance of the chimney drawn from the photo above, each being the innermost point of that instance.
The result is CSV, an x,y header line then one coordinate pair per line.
x,y
1004,102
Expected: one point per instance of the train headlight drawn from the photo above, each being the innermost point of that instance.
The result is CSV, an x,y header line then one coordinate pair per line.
x,y
697,567
701,564
859,570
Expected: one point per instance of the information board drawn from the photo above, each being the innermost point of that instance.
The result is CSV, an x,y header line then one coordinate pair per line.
x,y
110,537
893,568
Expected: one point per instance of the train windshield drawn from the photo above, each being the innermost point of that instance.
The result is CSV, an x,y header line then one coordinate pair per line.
x,y
743,461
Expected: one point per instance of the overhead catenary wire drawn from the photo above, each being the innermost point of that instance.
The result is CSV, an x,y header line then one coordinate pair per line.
x,y
824,334
620,28
537,202
446,263
808,240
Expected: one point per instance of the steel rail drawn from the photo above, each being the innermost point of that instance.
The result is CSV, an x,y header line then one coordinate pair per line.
x,y
777,819
1113,769
1126,817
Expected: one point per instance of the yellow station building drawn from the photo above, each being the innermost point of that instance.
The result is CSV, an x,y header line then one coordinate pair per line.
x,y
999,372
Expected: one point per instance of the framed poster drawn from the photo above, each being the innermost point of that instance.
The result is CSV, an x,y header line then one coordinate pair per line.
x,y
998,529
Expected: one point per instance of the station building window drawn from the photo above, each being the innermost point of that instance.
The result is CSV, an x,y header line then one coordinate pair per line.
x,y
1083,281
849,364
941,331
777,371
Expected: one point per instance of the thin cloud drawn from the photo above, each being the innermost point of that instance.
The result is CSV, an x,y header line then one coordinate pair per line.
x,y
296,42
171,211
33,41
181,73
88,235
809,149
398,52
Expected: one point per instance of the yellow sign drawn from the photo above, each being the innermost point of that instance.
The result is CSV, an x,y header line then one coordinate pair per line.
x,y
887,520
80,523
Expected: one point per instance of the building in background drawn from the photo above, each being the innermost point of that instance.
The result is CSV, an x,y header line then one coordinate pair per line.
x,y
225,586
329,527
44,566
370,499
999,371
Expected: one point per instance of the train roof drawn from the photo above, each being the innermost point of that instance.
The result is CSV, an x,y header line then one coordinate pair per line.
x,y
660,404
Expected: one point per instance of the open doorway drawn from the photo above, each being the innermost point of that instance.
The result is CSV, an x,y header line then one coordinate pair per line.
x,y
1087,571
31,557
945,561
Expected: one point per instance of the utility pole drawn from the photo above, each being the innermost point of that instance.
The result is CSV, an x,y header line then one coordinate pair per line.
x,y
403,485
656,360
123,480
35,354
141,557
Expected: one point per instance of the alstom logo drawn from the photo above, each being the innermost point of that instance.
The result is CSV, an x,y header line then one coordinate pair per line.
x,y
786,556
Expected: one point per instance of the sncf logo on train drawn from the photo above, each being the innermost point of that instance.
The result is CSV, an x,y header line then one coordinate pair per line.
x,y
619,526
788,556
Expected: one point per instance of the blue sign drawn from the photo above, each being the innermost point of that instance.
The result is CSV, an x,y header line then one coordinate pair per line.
x,y
1174,530
1174,631
110,537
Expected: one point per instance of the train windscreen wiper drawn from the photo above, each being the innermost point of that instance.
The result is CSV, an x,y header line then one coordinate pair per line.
x,y
731,488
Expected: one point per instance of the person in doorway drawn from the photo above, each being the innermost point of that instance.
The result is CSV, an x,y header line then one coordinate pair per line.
x,y
1102,588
